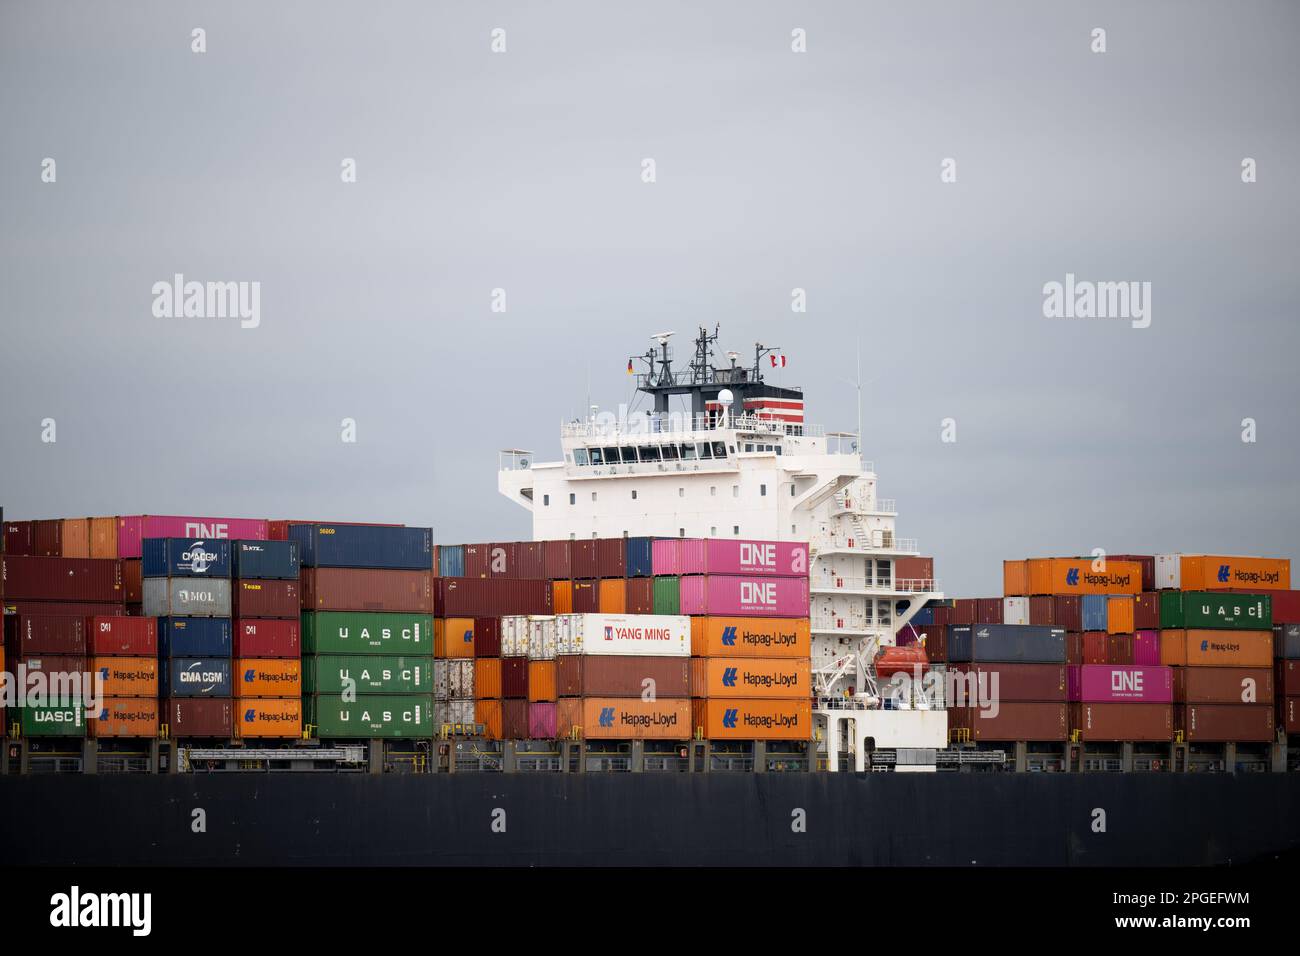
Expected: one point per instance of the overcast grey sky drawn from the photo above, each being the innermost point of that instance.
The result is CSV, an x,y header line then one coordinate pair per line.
x,y
775,170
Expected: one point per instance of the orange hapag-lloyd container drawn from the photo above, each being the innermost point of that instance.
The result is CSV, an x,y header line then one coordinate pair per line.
x,y
750,637
487,678
623,718
562,596
750,677
267,677
541,681
127,676
488,713
1015,578
613,596
1119,615
1206,648
76,538
1219,572
268,717
453,637
125,717
1076,576
748,719
103,537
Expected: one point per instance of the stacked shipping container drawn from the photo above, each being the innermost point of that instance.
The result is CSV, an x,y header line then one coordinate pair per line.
x,y
267,603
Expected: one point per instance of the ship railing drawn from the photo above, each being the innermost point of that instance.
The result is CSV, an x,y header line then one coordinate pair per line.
x,y
839,582
854,504
673,424
873,540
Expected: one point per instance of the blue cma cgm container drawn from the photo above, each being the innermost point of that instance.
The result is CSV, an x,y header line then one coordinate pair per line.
x,y
185,558
196,677
637,555
194,637
1094,612
364,546
276,560
1006,643
451,561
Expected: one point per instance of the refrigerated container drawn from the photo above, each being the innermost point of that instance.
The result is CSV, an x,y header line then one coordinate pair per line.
x,y
186,597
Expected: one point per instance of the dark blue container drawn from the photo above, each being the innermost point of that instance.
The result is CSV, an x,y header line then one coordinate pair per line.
x,y
185,558
1286,641
923,617
364,546
451,561
1006,643
1094,612
638,558
196,677
277,560
194,637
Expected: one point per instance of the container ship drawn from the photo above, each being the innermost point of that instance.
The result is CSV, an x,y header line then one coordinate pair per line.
x,y
715,650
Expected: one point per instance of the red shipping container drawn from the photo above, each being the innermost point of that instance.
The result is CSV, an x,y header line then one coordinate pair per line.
x,y
915,573
82,609
62,579
1095,649
52,664
490,597
935,639
476,561
1148,563
640,597
1067,612
132,580
267,638
532,561
583,557
503,559
611,558
514,677
189,717
596,675
1146,647
1040,611
1074,647
1286,607
47,538
368,589
586,596
1289,716
1112,721
487,637
557,564
19,538
514,720
1287,678
988,610
1013,721
1223,685
1221,723
1009,682
1146,611
965,611
263,598
120,636
942,616
27,634
1119,649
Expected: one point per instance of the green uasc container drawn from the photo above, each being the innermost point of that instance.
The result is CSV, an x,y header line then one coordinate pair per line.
x,y
375,715
1216,609
370,674
668,595
367,632
54,720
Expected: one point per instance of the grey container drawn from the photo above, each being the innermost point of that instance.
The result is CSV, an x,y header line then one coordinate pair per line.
x,y
453,677
186,597
1286,641
1008,643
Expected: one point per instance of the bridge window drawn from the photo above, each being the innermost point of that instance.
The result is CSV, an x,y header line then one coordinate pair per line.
x,y
687,451
629,453
720,449
670,452
580,455
706,450
611,455
650,453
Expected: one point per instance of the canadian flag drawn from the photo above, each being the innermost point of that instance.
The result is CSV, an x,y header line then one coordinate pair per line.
x,y
777,360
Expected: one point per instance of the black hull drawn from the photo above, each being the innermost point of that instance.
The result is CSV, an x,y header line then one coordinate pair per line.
x,y
651,819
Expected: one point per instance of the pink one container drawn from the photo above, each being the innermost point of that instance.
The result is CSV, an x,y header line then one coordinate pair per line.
x,y
1146,647
729,556
1119,683
728,595
133,529
542,721
666,555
